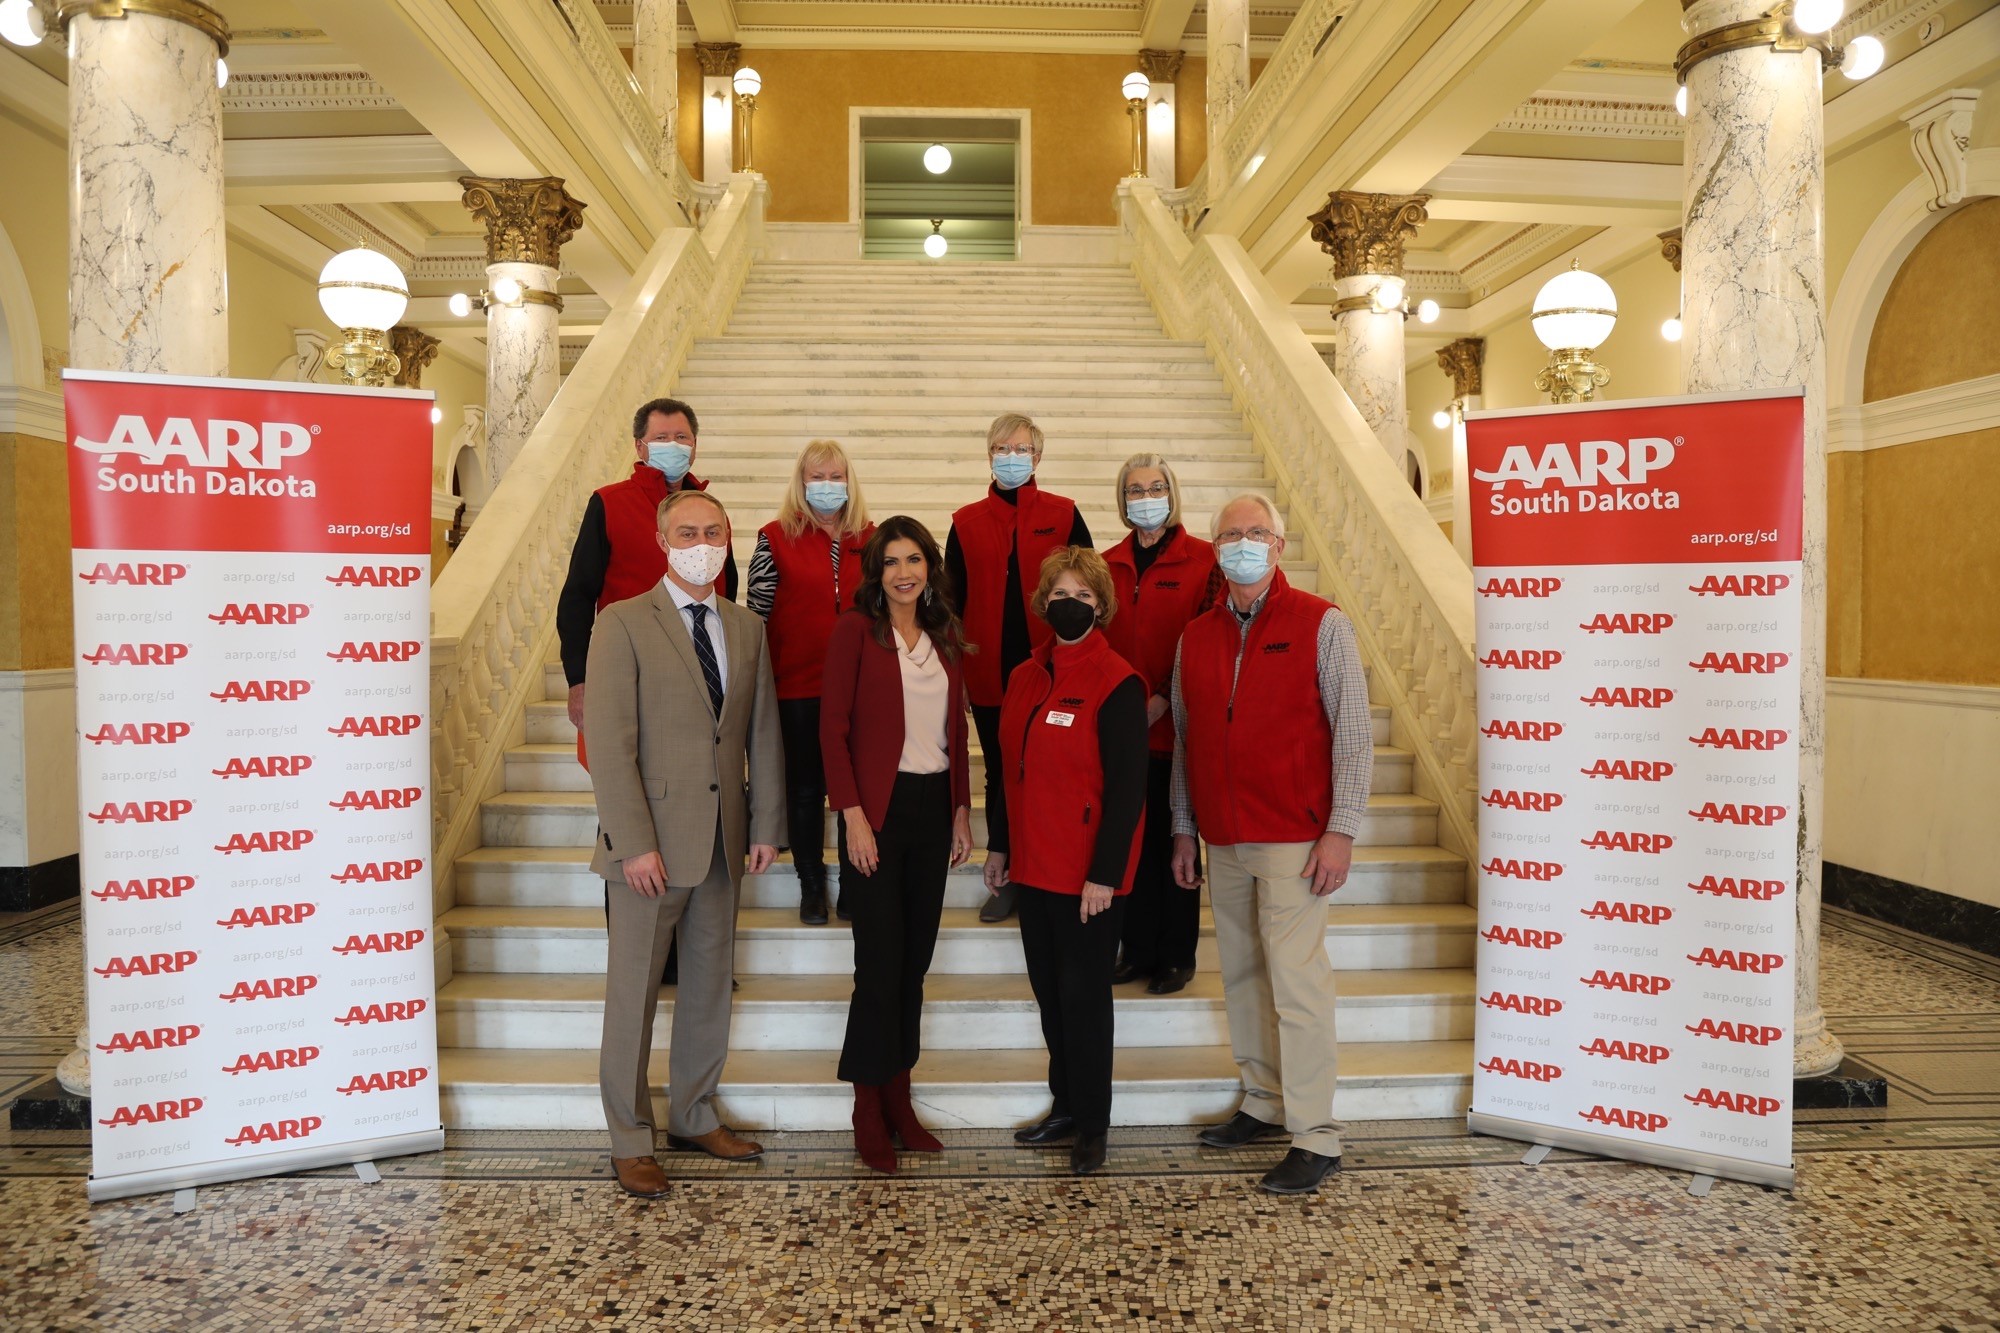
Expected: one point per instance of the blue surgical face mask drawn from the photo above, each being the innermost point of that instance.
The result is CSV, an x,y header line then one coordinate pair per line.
x,y
826,497
1011,470
672,459
1244,561
1148,513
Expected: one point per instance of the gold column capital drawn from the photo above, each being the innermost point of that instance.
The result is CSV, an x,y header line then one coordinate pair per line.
x,y
415,349
1464,360
1365,233
1670,247
191,12
527,221
718,59
1161,66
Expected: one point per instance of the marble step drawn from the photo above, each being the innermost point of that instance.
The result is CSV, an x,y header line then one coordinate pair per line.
x,y
990,304
798,1090
885,456
1075,325
791,352
561,877
1360,937
549,724
963,375
915,477
803,423
961,1012
1108,280
553,767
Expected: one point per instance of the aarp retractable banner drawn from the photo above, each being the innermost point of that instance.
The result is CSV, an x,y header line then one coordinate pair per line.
x,y
252,588
1637,575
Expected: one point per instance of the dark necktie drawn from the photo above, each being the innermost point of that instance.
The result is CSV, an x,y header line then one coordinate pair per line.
x,y
704,652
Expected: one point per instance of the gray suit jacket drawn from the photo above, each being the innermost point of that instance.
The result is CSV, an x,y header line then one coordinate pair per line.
x,y
663,765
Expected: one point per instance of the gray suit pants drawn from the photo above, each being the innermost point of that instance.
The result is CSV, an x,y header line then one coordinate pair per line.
x,y
640,929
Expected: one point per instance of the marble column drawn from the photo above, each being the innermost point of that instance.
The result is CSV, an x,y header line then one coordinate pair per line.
x,y
1365,234
1753,283
1464,360
718,107
147,271
527,222
1228,83
654,64
1162,68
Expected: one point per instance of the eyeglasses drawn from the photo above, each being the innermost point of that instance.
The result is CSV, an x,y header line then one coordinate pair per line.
x,y
1012,451
1157,491
1262,536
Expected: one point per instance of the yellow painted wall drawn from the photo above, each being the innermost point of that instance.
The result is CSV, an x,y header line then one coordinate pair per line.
x,y
1936,325
34,554
34,212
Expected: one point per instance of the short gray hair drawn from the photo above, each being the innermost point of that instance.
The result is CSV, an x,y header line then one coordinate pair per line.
x,y
1258,498
1133,464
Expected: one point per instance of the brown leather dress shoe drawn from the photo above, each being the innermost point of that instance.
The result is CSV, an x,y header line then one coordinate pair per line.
x,y
640,1176
718,1142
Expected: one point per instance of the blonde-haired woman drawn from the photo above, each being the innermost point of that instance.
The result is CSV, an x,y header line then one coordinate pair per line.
x,y
804,573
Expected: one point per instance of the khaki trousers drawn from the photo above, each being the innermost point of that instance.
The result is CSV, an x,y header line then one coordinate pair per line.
x,y
639,931
1278,985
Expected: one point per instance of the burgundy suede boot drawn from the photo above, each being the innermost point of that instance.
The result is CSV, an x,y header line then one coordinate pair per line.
x,y
902,1116
871,1131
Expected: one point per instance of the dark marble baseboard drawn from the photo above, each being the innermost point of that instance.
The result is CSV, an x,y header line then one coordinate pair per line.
x,y
49,1105
1852,1084
1941,916
26,888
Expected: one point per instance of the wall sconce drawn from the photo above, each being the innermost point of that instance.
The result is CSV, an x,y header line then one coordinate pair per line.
x,y
1137,88
1671,329
364,294
21,22
508,292
747,83
935,244
1574,313
1790,25
1390,295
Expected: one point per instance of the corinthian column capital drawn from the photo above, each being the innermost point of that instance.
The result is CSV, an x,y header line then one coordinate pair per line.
x,y
718,59
415,349
1161,66
527,221
1365,233
1464,360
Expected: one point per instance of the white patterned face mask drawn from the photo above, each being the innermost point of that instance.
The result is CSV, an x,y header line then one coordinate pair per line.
x,y
698,564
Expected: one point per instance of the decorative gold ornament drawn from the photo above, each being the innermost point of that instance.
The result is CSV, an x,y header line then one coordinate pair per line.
x,y
1464,360
718,59
1670,247
364,358
1365,233
1161,66
1774,29
1571,376
527,221
191,12
414,350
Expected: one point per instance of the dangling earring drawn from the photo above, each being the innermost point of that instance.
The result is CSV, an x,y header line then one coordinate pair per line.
x,y
927,594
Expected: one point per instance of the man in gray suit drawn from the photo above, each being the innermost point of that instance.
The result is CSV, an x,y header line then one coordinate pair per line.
x,y
681,698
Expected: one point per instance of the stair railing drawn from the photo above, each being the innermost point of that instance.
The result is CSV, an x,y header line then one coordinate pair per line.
x,y
493,607
1380,554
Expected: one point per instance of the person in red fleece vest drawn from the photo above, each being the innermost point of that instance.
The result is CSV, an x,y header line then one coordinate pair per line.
x,y
1163,576
617,553
803,574
992,540
1273,754
1066,832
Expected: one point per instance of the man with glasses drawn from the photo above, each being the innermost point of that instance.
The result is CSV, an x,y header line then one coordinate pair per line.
x,y
1273,756
992,540
617,552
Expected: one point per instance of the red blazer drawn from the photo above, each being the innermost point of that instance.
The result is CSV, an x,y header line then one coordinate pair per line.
x,y
861,721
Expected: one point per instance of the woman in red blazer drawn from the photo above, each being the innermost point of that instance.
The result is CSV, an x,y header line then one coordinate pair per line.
x,y
1164,576
893,736
802,576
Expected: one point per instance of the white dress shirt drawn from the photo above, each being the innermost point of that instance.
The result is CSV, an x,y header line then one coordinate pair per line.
x,y
713,622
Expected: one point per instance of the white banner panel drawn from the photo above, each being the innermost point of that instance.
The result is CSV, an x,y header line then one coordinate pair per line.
x,y
1637,577
252,591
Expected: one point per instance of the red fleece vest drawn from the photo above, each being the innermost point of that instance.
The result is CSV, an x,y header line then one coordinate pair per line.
x,y
632,523
807,602
1053,773
1035,524
1260,765
1153,609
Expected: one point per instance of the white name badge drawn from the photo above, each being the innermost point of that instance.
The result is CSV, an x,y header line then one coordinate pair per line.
x,y
1056,719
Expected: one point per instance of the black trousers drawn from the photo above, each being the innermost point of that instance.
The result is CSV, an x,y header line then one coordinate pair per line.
x,y
895,914
1069,967
986,721
1162,919
805,782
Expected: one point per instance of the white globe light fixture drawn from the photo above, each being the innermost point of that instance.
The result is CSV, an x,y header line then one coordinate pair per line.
x,y
460,304
1573,315
937,159
437,415
1864,57
748,82
1441,419
221,72
1681,99
1816,16
935,244
1427,311
1671,329
1137,88
21,23
507,290
1389,294
364,294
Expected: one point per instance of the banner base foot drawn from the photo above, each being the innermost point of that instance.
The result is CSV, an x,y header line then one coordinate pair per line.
x,y
184,1201
1536,1155
369,1175
1701,1185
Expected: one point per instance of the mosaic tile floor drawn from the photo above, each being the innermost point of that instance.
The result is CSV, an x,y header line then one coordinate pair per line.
x,y
1895,1224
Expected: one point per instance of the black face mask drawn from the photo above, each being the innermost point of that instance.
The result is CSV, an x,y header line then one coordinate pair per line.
x,y
1070,618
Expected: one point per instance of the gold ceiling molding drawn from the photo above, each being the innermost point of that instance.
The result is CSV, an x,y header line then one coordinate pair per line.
x,y
353,229
306,90
1365,233
1594,117
527,221
1520,248
1885,18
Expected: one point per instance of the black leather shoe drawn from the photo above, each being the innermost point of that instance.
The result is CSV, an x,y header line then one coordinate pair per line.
x,y
1167,981
999,906
840,907
1300,1173
1238,1130
1126,972
1086,1155
1052,1128
812,900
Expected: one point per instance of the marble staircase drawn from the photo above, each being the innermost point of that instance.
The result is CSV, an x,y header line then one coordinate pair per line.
x,y
906,364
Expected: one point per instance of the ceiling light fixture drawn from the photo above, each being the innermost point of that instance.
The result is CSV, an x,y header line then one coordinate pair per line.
x,y
1864,57
364,294
935,244
937,159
